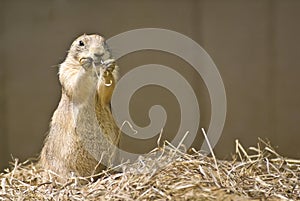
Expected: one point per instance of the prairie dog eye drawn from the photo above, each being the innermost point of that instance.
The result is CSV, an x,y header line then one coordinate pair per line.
x,y
81,43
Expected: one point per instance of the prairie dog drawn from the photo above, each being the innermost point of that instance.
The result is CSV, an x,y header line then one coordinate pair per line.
x,y
82,130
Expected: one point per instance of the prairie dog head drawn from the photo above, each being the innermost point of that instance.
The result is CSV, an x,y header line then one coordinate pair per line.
x,y
90,50
88,55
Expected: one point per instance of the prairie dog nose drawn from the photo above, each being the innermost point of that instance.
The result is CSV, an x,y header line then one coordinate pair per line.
x,y
97,55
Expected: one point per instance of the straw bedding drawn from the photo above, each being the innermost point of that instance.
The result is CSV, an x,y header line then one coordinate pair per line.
x,y
167,173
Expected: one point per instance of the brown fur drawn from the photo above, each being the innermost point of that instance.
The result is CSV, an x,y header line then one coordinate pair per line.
x,y
83,114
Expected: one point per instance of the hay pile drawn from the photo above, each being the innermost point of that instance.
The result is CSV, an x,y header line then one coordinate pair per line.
x,y
168,173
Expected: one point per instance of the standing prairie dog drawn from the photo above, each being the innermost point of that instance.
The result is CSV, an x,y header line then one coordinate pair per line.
x,y
83,135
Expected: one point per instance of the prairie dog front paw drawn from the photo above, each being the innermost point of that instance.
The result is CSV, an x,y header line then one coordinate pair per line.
x,y
86,62
109,64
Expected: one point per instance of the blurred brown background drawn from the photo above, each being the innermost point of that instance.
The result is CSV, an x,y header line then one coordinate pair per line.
x,y
255,45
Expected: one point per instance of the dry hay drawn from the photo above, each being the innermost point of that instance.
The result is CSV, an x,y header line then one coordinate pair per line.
x,y
167,173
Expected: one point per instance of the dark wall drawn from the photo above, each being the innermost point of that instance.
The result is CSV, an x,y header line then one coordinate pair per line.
x,y
255,45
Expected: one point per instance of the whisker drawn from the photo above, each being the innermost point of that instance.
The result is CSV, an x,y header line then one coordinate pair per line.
x,y
55,66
